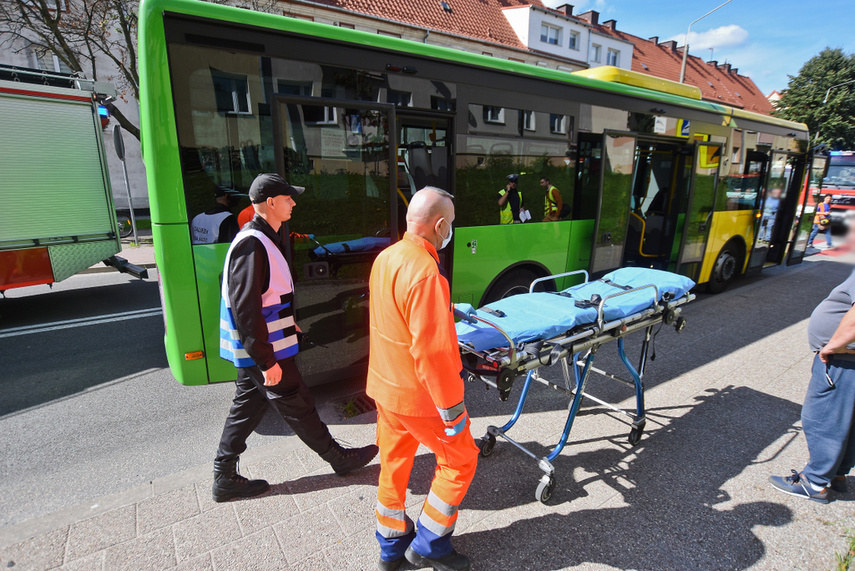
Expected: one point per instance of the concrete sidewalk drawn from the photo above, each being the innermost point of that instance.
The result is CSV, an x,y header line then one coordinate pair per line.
x,y
723,399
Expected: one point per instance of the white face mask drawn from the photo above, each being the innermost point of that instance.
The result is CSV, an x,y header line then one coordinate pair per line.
x,y
447,239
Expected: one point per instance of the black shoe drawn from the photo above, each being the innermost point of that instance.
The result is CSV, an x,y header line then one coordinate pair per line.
x,y
346,460
839,485
384,565
452,562
228,483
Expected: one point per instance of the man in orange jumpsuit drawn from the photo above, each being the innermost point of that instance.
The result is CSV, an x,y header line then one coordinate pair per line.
x,y
414,375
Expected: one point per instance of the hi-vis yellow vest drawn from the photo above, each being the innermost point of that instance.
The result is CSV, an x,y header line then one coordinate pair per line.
x,y
506,215
548,205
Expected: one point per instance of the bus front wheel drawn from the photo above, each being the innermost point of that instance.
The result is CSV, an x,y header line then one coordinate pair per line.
x,y
725,269
517,281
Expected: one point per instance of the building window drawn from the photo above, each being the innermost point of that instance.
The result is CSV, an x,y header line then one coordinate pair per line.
x,y
596,52
613,58
529,121
557,124
516,60
494,115
346,26
301,88
573,40
389,34
441,103
550,34
399,98
486,54
231,92
317,115
46,61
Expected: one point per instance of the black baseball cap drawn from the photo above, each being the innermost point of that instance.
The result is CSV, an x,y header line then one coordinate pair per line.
x,y
268,185
513,178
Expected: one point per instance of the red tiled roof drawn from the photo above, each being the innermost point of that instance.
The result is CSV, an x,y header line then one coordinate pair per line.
x,y
478,19
717,83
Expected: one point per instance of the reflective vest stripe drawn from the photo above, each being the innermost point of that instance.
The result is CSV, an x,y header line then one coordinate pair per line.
x,y
276,307
452,413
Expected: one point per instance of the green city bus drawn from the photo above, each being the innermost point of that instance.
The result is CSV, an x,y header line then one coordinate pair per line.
x,y
653,175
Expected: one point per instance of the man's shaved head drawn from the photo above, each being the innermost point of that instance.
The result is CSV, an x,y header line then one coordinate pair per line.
x,y
427,207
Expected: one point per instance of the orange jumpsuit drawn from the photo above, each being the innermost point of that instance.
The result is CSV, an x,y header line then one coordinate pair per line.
x,y
414,377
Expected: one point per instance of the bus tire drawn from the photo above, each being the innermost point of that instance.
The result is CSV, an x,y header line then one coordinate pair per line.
x,y
726,268
516,281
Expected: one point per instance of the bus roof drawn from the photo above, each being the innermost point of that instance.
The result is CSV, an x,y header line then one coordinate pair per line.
x,y
624,76
153,10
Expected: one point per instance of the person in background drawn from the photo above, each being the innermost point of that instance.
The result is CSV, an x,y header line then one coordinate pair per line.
x,y
822,221
553,205
511,204
828,412
414,376
770,211
259,335
217,225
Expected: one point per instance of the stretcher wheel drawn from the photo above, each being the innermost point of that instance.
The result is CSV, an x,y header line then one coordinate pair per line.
x,y
545,487
635,436
680,324
487,445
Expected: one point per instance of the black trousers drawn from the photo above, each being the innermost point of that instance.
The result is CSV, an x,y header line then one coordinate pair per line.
x,y
291,399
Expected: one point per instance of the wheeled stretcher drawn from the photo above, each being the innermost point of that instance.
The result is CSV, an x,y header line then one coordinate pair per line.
x,y
516,336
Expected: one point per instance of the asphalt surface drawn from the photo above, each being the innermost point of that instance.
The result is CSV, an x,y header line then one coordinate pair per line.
x,y
90,409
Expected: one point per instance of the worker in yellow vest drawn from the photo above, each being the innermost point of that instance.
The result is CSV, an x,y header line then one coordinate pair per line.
x,y
553,204
511,206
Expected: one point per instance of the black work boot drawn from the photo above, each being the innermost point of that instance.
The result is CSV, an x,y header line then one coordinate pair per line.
x,y
452,562
228,483
346,460
394,565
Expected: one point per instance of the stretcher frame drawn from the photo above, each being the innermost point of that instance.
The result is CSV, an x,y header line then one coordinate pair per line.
x,y
575,351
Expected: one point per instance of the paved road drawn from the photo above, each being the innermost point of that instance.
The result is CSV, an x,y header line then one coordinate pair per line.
x,y
91,408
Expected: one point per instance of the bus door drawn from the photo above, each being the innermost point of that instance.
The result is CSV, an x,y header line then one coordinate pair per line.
x,y
779,205
613,203
343,153
425,158
750,189
806,209
699,212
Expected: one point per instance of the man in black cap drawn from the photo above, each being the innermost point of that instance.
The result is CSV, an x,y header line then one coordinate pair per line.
x,y
217,225
511,206
259,335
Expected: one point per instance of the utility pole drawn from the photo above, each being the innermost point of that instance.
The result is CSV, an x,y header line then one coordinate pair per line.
x,y
686,43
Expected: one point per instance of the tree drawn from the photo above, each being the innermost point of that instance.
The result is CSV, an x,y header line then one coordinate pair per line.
x,y
834,120
96,38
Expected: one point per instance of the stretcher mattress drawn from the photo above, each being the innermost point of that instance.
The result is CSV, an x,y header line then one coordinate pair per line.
x,y
543,315
367,244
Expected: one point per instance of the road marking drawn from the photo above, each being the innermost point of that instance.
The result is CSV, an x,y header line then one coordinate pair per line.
x,y
82,322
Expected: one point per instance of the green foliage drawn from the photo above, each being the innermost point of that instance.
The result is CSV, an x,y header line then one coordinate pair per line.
x,y
803,99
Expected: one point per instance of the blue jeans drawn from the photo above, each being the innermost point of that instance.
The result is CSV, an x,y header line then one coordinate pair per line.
x,y
827,420
816,230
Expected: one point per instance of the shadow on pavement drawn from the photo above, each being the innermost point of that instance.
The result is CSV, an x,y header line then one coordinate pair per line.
x,y
666,511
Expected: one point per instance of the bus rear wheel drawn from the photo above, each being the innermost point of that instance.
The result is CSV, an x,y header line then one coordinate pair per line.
x,y
725,269
517,281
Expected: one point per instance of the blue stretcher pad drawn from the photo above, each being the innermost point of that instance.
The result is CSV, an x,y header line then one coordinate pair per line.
x,y
367,244
543,315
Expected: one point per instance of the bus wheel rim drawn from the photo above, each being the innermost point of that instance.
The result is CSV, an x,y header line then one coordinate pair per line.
x,y
726,266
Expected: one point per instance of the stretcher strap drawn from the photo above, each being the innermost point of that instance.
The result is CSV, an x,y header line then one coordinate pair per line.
x,y
613,284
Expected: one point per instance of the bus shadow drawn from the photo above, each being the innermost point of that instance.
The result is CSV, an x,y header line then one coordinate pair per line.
x,y
662,505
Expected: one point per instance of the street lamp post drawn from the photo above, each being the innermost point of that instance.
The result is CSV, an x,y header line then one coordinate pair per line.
x,y
824,101
686,43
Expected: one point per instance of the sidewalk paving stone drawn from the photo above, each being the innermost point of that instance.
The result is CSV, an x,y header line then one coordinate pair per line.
x,y
155,550
257,551
307,534
38,553
200,563
96,533
164,510
206,531
94,562
255,514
